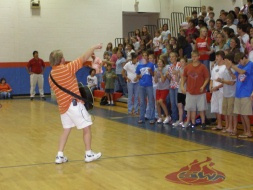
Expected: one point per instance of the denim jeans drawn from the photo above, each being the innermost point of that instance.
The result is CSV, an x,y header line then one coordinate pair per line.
x,y
100,79
147,110
147,92
206,63
5,95
120,84
173,101
133,92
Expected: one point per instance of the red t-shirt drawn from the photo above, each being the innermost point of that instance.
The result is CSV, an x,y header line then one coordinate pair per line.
x,y
114,60
201,44
195,78
5,87
36,65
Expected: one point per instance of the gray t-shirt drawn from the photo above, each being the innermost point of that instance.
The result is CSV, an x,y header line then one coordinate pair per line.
x,y
228,90
119,65
162,85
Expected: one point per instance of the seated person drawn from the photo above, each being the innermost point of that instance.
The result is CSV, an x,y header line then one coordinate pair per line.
x,y
92,80
5,89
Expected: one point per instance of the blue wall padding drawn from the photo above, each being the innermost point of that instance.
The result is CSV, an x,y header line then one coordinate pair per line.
x,y
19,79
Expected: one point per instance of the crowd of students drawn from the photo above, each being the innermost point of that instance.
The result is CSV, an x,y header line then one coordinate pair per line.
x,y
174,74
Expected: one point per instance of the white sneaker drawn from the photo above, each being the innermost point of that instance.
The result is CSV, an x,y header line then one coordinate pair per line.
x,y
61,159
186,124
167,120
93,156
176,123
160,120
181,124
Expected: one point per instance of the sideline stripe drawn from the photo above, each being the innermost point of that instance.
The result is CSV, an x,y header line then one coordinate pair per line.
x,y
105,158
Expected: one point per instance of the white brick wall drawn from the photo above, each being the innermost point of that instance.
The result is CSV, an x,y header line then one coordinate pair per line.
x,y
74,25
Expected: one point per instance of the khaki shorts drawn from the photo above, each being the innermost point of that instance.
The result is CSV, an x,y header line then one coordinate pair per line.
x,y
228,106
196,102
76,116
243,106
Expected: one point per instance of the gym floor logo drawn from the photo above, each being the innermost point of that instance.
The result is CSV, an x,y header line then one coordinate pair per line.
x,y
197,173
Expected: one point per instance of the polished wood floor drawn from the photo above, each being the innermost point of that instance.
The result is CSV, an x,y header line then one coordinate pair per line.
x,y
133,158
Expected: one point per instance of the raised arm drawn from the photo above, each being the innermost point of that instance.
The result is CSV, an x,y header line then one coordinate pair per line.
x,y
89,52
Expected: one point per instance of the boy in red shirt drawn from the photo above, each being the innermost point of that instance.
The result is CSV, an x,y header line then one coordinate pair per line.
x,y
196,77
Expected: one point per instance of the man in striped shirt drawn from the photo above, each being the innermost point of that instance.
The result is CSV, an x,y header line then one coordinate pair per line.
x,y
73,112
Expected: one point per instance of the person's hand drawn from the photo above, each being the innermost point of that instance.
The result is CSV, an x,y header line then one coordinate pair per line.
x,y
160,69
135,79
98,46
183,90
201,89
128,80
219,80
214,89
149,70
175,72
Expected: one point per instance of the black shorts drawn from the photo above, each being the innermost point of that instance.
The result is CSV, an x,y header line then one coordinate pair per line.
x,y
109,91
181,98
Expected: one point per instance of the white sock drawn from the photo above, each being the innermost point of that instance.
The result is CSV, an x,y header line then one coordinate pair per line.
x,y
108,101
88,152
112,102
60,154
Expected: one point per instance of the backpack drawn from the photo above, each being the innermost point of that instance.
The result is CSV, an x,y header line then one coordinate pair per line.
x,y
103,101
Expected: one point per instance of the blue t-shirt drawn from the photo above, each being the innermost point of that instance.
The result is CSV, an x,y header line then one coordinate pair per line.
x,y
244,82
143,70
119,65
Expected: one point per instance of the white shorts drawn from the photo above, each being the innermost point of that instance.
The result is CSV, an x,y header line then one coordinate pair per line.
x,y
216,102
76,116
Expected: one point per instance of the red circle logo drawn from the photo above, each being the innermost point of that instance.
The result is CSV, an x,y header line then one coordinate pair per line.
x,y
197,173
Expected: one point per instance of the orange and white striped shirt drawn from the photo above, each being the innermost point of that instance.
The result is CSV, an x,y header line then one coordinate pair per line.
x,y
65,76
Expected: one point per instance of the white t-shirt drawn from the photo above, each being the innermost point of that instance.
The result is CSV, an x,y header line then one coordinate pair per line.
x,y
165,34
91,81
136,46
245,39
228,90
157,43
233,26
251,56
129,54
217,72
130,68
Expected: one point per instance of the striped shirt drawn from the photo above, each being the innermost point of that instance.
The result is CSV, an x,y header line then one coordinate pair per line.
x,y
173,82
64,75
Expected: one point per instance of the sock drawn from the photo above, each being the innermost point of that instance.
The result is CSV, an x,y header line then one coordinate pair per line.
x,y
112,102
60,154
88,152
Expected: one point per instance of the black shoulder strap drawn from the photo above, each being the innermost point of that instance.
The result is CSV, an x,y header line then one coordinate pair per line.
x,y
66,90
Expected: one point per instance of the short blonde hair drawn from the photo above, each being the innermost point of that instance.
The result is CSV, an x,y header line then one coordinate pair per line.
x,y
55,57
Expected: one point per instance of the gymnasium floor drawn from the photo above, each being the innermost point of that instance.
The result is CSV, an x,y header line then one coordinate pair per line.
x,y
134,156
